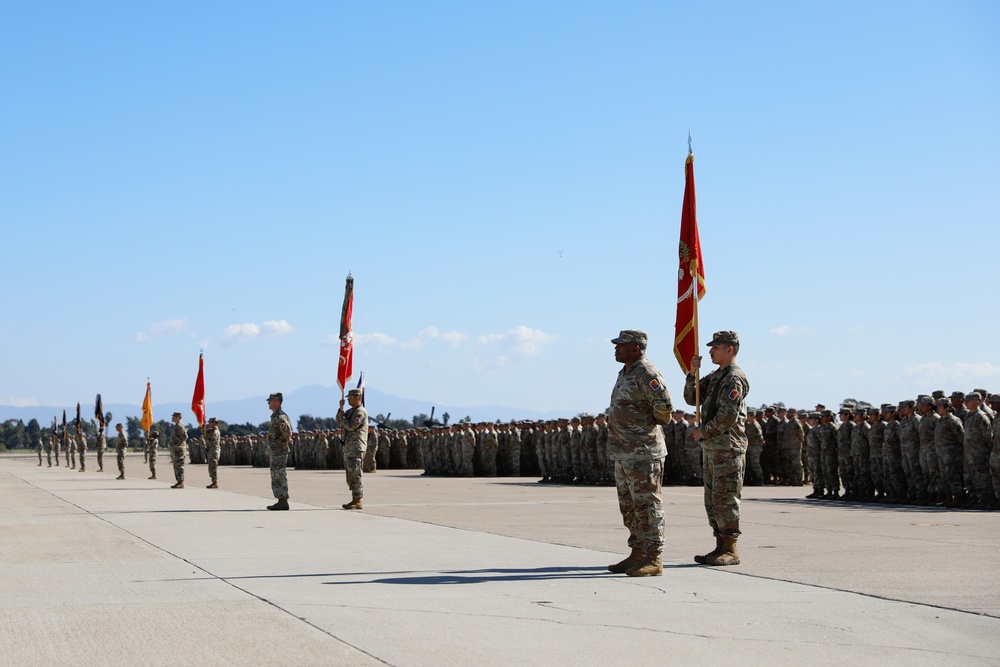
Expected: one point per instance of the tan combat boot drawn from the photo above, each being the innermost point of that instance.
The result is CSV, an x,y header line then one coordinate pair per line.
x,y
729,555
213,485
120,476
702,560
153,476
650,566
627,564
355,504
178,485
282,504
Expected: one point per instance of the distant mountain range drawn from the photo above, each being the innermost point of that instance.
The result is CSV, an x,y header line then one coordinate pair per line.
x,y
315,400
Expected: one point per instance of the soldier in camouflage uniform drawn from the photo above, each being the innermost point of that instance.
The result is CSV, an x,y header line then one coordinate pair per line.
x,y
354,423
39,447
81,446
371,449
829,451
693,453
279,441
489,447
845,463
755,448
121,446
178,445
892,457
949,435
152,445
722,435
814,448
909,444
607,464
994,401
861,456
100,444
514,445
977,445
640,406
212,438
790,447
927,454
50,444
876,439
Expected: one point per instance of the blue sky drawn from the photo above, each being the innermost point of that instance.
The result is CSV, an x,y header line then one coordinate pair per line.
x,y
504,182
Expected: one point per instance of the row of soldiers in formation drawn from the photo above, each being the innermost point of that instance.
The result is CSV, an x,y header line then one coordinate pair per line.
x,y
932,450
76,444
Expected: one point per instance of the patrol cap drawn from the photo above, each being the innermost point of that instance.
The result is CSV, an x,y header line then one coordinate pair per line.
x,y
724,338
630,336
973,396
575,420
177,414
888,407
874,411
791,411
354,392
925,400
860,410
688,415
276,396
943,403
212,420
994,398
982,392
751,412
813,415
908,403
820,407
958,394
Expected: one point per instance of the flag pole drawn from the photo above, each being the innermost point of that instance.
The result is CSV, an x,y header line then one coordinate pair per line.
x,y
697,371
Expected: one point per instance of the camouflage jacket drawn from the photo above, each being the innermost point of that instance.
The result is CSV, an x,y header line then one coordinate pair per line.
x,y
755,434
771,430
928,426
212,437
279,435
355,428
828,436
724,415
909,432
948,433
814,441
891,442
978,432
640,405
845,433
490,441
859,438
178,436
876,437
100,444
792,437
122,441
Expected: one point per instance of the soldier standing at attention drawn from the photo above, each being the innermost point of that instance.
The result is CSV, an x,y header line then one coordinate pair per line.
x,y
100,445
354,423
279,440
178,440
640,405
81,444
48,449
152,444
212,438
722,435
38,448
121,445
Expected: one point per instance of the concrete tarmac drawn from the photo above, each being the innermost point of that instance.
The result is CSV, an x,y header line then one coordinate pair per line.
x,y
436,571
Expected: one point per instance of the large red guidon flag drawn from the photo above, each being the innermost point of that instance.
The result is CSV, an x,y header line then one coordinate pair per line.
x,y
690,276
346,367
198,399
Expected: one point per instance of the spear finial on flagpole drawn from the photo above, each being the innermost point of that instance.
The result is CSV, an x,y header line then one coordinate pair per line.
x,y
690,149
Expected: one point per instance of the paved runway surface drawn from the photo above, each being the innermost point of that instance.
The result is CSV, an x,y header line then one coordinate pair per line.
x,y
95,571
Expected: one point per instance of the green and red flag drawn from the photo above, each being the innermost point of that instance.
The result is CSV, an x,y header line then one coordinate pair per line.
x,y
346,366
690,275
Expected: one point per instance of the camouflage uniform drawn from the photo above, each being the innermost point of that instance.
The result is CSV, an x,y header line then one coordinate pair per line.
x,y
48,450
488,452
514,445
371,440
152,445
927,453
81,445
755,447
845,436
893,475
978,441
829,450
861,455
909,442
357,437
467,449
178,445
212,437
640,405
876,440
949,435
790,449
279,441
724,441
100,444
121,446
814,449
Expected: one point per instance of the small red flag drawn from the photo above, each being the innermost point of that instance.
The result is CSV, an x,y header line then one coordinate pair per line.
x,y
690,275
198,400
346,367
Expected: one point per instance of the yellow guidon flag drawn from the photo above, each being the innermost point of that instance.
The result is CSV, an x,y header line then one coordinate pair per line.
x,y
147,411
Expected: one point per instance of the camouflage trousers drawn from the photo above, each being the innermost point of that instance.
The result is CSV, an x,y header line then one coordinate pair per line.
x,y
151,457
369,464
177,458
790,465
212,457
977,458
120,459
100,458
279,478
753,463
723,490
845,465
929,466
915,485
950,467
640,500
815,466
468,453
352,466
694,463
82,450
488,461
831,469
875,465
48,454
71,457
514,460
893,476
540,455
995,470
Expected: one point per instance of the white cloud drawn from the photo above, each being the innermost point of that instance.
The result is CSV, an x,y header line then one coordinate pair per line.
x,y
782,330
275,328
238,333
161,328
453,338
422,338
933,372
377,339
522,341
13,402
